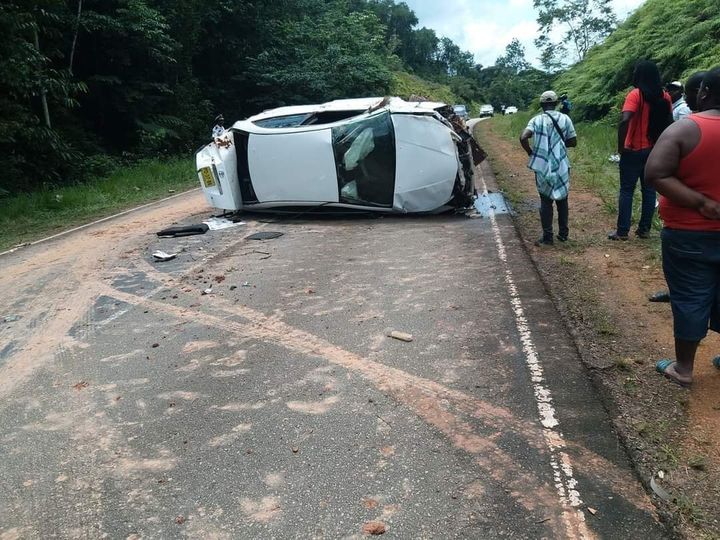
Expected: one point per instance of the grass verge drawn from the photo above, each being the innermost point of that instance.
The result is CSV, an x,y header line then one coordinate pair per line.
x,y
28,217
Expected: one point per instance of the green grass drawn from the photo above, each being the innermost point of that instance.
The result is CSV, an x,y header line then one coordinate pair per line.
x,y
28,217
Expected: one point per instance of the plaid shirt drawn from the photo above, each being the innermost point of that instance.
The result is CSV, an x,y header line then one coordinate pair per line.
x,y
549,157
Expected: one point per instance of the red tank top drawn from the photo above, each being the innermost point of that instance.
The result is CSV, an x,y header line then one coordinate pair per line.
x,y
698,170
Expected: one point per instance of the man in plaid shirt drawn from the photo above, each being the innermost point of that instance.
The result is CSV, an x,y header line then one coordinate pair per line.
x,y
552,133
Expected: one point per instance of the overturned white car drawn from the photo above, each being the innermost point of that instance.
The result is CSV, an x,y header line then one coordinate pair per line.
x,y
375,154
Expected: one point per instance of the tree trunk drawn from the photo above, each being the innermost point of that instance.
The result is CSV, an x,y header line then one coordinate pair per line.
x,y
43,91
75,36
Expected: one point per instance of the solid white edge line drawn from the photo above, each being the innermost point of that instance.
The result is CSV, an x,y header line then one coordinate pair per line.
x,y
565,483
96,222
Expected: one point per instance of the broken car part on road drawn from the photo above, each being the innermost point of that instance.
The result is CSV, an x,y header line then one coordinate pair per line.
x,y
380,155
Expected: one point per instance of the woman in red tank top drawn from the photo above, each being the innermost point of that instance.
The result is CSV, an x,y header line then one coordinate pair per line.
x,y
682,167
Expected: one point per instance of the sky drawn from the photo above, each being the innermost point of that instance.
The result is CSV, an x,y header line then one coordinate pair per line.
x,y
485,27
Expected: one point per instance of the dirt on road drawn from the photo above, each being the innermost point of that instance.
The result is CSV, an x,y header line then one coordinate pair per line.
x,y
602,289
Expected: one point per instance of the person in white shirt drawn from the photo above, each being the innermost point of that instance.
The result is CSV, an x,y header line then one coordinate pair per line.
x,y
680,108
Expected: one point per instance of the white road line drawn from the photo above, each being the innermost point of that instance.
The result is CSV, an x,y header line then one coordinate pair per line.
x,y
96,222
573,515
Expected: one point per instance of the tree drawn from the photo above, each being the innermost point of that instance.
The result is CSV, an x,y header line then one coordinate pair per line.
x,y
514,58
585,23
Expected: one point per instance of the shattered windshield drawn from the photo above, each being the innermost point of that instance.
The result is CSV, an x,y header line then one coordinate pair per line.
x,y
283,121
365,159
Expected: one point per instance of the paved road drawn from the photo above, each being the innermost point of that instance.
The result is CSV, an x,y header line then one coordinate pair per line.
x,y
276,407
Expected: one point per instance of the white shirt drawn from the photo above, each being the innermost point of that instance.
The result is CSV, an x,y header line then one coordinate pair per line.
x,y
680,109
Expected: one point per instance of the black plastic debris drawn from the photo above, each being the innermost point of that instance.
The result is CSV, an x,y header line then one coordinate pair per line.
x,y
184,230
264,235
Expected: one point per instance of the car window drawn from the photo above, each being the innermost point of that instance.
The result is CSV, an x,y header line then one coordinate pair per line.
x,y
282,121
365,160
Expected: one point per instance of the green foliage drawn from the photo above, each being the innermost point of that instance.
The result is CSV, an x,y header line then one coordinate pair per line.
x,y
85,84
682,37
405,85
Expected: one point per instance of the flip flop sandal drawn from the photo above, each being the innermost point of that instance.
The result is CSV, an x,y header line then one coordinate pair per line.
x,y
662,366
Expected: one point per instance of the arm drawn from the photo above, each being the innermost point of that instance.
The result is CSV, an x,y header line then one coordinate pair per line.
x,y
525,141
662,167
623,129
571,143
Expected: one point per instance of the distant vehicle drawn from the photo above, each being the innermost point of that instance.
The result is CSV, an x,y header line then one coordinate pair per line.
x,y
487,110
461,111
511,110
374,154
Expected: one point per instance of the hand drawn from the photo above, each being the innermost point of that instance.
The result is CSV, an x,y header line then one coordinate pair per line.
x,y
710,209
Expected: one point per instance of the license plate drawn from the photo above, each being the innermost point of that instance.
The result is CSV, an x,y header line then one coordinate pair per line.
x,y
207,177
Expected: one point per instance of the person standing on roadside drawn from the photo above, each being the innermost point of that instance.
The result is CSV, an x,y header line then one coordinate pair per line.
x,y
552,133
680,108
682,167
565,105
646,113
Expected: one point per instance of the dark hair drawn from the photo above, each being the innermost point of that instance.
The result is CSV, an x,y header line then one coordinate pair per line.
x,y
646,78
711,81
695,80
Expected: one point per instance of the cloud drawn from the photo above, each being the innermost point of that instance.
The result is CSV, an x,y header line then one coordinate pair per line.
x,y
485,27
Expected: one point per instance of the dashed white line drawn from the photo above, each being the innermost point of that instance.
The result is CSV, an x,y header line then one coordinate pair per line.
x,y
565,482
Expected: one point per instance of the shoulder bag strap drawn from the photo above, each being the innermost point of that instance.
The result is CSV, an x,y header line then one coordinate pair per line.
x,y
557,127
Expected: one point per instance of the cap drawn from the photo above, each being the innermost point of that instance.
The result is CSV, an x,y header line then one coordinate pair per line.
x,y
548,97
675,84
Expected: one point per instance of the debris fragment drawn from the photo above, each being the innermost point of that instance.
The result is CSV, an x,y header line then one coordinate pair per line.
x,y
374,528
218,224
82,384
295,449
370,503
311,291
246,284
180,520
401,336
233,287
11,318
219,279
155,345
264,235
544,520
162,256
659,491
183,230
207,291
592,511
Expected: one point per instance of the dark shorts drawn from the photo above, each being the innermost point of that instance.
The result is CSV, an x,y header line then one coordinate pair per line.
x,y
691,261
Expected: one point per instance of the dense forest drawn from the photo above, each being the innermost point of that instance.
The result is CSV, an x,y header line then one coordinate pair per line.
x,y
88,84
681,37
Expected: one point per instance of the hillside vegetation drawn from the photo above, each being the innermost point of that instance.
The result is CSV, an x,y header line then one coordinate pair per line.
x,y
681,37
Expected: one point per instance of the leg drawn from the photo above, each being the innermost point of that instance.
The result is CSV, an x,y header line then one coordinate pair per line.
x,y
546,217
692,276
649,198
563,214
629,175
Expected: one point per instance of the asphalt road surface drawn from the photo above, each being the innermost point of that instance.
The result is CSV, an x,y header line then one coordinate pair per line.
x,y
134,406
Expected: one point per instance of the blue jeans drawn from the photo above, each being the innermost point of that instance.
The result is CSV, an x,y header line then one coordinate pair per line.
x,y
632,168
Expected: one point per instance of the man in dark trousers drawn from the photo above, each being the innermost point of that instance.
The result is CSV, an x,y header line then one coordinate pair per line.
x,y
552,133
682,167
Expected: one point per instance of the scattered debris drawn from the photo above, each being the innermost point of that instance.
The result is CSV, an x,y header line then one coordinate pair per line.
x,y
544,520
264,235
246,284
219,279
233,287
207,291
401,336
155,345
218,224
180,520
82,384
171,191
311,291
184,230
592,511
374,528
614,158
11,318
162,256
295,449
